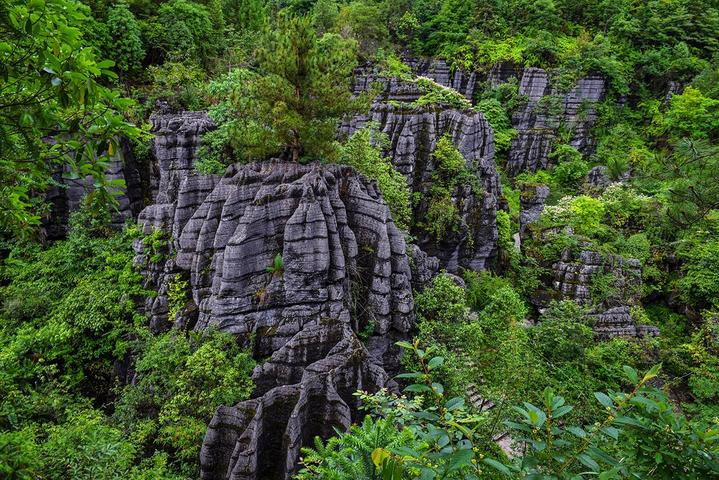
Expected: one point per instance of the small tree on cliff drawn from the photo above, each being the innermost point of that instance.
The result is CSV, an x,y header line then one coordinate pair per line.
x,y
294,101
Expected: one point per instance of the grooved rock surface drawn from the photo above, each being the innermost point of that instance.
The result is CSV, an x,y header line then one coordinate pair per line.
x,y
177,137
413,134
344,271
531,205
574,279
538,122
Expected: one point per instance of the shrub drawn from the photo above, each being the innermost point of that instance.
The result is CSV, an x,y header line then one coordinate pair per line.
x,y
571,169
360,152
181,380
561,335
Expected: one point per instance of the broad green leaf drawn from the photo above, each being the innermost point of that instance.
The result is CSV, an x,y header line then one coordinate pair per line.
x,y
435,362
497,466
588,461
631,374
604,399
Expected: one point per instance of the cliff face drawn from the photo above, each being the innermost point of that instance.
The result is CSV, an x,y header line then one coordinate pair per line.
x,y
547,111
575,278
344,273
539,121
413,134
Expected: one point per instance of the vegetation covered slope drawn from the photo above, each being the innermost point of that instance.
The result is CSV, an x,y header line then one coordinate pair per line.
x,y
87,392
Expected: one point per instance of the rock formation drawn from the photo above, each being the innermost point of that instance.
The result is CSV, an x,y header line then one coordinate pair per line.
x,y
531,205
413,134
576,278
344,275
546,111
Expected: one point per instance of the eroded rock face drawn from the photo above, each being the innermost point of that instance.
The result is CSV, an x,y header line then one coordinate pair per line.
x,y
344,272
413,135
538,122
531,205
576,278
177,138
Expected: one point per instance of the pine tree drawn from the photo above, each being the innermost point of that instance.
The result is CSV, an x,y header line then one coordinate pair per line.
x,y
299,94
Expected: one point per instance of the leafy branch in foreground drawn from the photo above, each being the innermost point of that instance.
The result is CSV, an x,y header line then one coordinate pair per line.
x,y
639,437
54,107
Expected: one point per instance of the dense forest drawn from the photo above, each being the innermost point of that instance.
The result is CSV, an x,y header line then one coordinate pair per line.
x,y
327,239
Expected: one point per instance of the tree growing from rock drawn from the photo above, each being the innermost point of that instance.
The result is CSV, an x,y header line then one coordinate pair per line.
x,y
300,91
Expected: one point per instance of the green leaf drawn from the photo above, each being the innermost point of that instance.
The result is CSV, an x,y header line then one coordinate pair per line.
x,y
577,431
588,461
653,372
612,432
417,388
26,119
562,411
405,345
455,403
379,456
459,459
631,374
497,466
406,452
604,399
435,362
624,420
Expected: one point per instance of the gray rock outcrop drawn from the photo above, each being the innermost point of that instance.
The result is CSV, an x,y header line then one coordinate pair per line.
x,y
413,135
576,279
344,274
531,205
546,110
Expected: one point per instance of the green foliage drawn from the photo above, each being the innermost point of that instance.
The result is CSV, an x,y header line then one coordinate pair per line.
x,y
498,118
562,335
690,114
435,94
186,30
278,266
700,284
178,83
358,21
443,302
299,93
687,185
445,431
351,454
249,15
177,296
481,286
442,216
182,378
51,82
86,448
571,169
126,42
362,151
53,338
583,213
